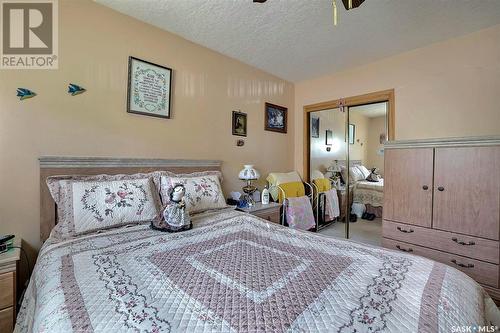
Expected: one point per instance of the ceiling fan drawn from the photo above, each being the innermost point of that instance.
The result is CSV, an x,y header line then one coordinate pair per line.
x,y
348,4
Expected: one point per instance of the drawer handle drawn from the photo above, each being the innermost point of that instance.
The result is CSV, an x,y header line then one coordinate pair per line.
x,y
462,265
425,187
403,249
405,231
440,189
462,243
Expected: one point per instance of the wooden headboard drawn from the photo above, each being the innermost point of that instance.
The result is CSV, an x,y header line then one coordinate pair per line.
x,y
56,165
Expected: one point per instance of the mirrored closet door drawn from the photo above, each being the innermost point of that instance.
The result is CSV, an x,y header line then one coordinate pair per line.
x,y
367,132
345,158
328,151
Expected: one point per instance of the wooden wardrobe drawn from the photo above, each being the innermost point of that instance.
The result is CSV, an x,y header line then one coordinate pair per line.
x,y
442,201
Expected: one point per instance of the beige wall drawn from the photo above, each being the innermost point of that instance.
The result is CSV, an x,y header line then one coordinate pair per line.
x,y
374,159
95,43
357,150
443,90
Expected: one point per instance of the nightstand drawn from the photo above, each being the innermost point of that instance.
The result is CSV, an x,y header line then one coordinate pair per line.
x,y
9,262
270,212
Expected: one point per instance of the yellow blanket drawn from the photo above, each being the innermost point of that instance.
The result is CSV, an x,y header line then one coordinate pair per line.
x,y
277,178
323,184
292,190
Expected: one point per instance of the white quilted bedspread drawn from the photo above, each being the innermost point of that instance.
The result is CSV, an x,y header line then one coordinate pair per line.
x,y
236,273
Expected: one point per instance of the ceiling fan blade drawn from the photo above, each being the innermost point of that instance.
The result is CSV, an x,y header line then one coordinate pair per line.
x,y
350,4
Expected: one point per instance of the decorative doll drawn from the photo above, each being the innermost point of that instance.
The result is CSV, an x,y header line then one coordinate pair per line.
x,y
175,217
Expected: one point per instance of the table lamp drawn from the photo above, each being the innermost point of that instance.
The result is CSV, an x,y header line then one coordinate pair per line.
x,y
248,174
334,170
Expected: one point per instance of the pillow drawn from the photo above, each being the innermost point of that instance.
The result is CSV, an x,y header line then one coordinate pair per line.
x,y
203,190
323,184
354,174
91,203
364,171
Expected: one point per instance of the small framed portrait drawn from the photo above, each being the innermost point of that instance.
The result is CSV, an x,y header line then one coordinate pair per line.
x,y
314,127
382,138
352,133
149,89
275,118
328,137
239,123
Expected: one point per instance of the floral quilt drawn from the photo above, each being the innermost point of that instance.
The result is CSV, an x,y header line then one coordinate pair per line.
x,y
237,273
369,193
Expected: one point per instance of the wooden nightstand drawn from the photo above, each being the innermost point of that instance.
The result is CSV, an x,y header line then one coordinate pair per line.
x,y
270,212
9,262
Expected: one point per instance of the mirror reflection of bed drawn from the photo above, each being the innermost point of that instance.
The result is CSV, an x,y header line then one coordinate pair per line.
x,y
366,134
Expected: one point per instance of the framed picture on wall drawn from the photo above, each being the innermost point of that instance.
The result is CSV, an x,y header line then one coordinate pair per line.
x,y
329,137
275,118
239,123
352,133
149,88
314,127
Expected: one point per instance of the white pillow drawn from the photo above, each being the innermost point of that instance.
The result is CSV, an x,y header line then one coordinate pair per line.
x,y
101,205
356,174
203,190
61,189
364,171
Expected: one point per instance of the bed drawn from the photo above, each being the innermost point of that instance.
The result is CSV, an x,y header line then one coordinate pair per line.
x,y
369,193
234,272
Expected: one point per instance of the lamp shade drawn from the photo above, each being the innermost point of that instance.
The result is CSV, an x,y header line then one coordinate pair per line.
x,y
249,173
334,167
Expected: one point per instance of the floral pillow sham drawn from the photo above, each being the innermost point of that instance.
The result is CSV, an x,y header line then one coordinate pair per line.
x,y
203,190
86,204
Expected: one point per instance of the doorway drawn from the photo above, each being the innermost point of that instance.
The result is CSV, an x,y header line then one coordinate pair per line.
x,y
343,143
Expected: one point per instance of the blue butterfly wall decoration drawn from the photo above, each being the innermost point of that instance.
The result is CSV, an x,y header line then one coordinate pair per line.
x,y
24,93
74,89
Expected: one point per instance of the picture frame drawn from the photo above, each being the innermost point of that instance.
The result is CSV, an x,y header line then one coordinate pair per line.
x,y
315,127
328,137
352,133
275,118
239,122
382,138
149,88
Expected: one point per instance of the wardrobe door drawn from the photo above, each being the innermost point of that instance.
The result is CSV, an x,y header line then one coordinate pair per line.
x,y
467,190
408,186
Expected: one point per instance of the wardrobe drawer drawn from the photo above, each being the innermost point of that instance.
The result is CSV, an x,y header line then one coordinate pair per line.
x,y
480,271
467,246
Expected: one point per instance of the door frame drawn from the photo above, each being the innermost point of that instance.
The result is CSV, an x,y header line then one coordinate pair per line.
x,y
374,97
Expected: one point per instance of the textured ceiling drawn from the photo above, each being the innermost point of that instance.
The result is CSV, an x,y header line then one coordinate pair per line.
x,y
296,39
370,110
